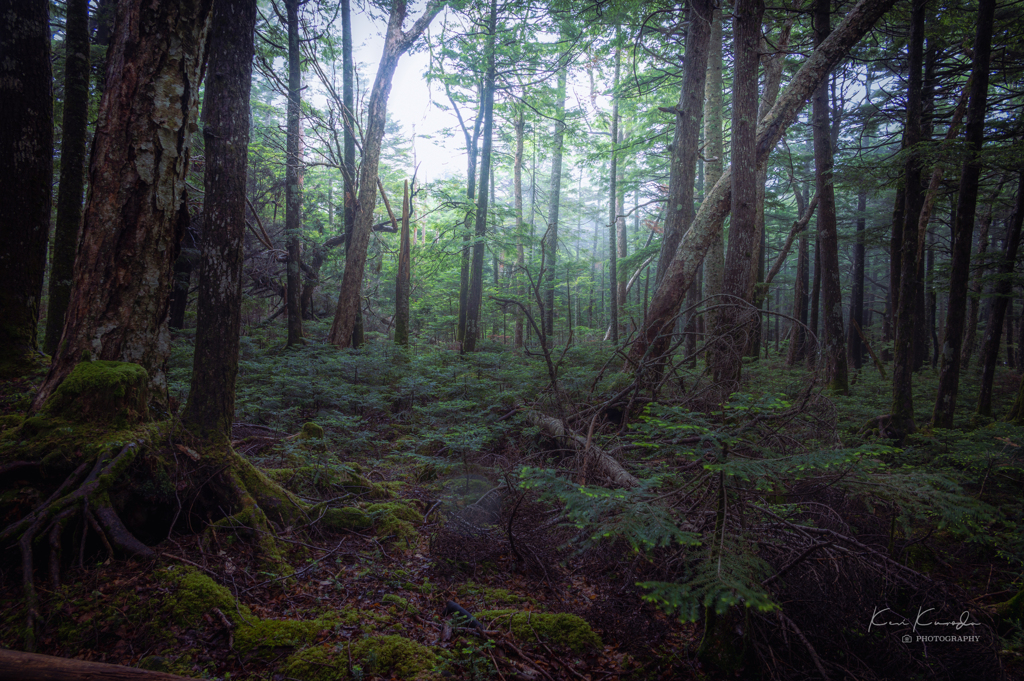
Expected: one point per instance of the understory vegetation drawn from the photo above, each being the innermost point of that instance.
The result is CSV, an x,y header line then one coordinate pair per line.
x,y
763,536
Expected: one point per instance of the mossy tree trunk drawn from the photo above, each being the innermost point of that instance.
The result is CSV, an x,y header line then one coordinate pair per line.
x,y
26,173
135,209
211,400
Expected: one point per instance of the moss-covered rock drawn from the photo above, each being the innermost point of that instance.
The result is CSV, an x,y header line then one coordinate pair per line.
x,y
195,594
270,634
384,656
564,629
311,431
394,520
102,392
342,519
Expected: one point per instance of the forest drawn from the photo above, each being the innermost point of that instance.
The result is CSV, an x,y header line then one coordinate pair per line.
x,y
672,340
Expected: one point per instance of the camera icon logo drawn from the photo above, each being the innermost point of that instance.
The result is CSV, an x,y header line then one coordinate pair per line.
x,y
907,638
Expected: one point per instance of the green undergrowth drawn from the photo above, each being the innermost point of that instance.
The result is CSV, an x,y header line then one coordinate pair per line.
x,y
563,629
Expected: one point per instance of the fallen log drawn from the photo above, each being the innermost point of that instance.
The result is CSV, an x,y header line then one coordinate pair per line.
x,y
19,666
602,460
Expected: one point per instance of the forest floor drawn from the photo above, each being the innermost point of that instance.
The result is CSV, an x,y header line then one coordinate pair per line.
x,y
419,445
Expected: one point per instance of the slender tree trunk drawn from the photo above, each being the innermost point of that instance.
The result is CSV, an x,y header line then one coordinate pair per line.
x,y
26,175
798,336
714,153
476,278
834,340
135,209
963,226
621,245
613,265
1002,293
744,241
396,42
211,400
551,237
348,79
72,169
855,349
895,266
902,412
517,189
404,269
971,334
813,346
695,243
292,184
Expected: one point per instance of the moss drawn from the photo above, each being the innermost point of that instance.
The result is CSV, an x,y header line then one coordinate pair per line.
x,y
400,509
562,628
280,633
384,656
311,431
196,594
11,421
341,519
401,604
102,392
395,520
311,480
490,595
1012,610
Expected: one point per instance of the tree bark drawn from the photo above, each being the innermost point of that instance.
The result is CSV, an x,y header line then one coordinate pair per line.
x,y
613,264
19,666
210,410
854,346
135,209
293,187
348,76
834,341
404,271
517,190
26,175
714,152
971,332
744,241
72,169
1002,293
476,278
963,225
396,42
652,340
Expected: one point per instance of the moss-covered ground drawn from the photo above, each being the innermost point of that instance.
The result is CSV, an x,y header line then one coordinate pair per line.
x,y
395,462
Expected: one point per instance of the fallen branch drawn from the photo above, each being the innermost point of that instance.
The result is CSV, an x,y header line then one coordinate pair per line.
x,y
18,666
604,462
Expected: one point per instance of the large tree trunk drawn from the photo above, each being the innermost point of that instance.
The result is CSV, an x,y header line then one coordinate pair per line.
x,y
554,198
834,341
210,410
744,241
26,175
693,246
902,411
292,183
1003,291
963,224
714,151
72,169
396,42
348,75
476,278
135,210
971,332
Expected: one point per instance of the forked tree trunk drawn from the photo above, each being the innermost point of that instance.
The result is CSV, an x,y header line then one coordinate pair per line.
x,y
135,209
26,173
963,224
653,339
211,400
396,42
72,169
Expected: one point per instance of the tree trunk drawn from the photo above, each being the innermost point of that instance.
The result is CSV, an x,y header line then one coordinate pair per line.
x,y
396,42
1002,293
695,243
714,153
834,341
517,190
613,251
476,278
902,412
963,225
72,169
211,400
971,333
135,209
551,237
404,270
813,340
855,349
744,241
348,76
293,188
26,175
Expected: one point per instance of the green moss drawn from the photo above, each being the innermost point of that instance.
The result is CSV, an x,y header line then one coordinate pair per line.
x,y
102,392
280,633
383,656
196,594
395,520
341,519
11,421
490,595
1012,610
400,509
311,480
401,604
311,431
562,628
